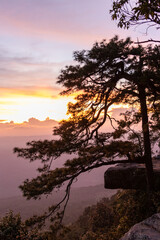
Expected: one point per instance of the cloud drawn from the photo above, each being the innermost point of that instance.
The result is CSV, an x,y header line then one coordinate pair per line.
x,y
115,112
36,122
25,71
35,127
27,91
22,103
32,127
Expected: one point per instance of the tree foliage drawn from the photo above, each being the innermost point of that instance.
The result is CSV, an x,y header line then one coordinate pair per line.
x,y
111,218
109,74
136,12
12,227
108,219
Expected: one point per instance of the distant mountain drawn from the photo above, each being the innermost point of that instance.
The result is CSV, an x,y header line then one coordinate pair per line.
x,y
80,198
14,171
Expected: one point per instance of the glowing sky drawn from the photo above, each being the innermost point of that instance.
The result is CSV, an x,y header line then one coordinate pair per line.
x,y
37,39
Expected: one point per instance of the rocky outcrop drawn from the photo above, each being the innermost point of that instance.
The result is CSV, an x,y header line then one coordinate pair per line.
x,y
130,176
149,229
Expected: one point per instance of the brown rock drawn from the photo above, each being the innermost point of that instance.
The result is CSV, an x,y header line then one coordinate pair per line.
x,y
130,176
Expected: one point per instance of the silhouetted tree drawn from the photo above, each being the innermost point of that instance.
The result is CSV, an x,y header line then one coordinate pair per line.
x,y
109,74
136,12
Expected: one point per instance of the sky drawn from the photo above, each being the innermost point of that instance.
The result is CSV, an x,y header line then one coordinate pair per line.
x,y
37,40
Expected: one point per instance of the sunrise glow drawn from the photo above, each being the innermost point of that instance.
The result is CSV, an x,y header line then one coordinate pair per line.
x,y
36,42
20,108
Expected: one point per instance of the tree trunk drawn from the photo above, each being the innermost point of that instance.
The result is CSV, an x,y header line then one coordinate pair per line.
x,y
146,139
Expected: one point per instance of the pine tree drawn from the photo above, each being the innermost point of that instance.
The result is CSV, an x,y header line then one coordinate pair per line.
x,y
117,72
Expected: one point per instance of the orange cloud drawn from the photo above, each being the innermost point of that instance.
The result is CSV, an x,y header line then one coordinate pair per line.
x,y
32,127
30,91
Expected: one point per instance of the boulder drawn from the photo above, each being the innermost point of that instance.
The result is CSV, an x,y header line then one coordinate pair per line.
x,y
149,229
130,176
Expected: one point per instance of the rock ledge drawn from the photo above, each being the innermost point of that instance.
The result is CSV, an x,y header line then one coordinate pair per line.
x,y
130,176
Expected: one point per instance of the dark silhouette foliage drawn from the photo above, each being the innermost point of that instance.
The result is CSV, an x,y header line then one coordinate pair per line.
x,y
137,12
113,73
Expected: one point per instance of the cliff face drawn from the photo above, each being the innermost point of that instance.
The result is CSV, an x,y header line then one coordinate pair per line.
x,y
130,176
149,229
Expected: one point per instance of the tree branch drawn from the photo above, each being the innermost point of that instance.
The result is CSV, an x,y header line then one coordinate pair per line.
x,y
147,41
